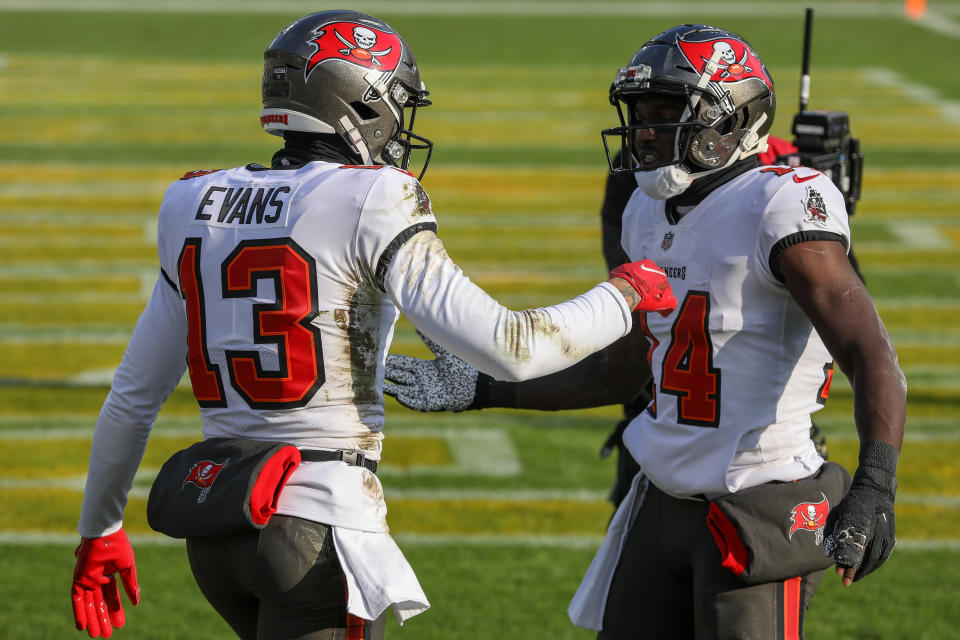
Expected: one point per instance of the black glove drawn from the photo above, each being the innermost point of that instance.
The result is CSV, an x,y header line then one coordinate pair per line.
x,y
861,526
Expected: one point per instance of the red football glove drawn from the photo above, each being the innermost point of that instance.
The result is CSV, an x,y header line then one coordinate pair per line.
x,y
96,598
651,283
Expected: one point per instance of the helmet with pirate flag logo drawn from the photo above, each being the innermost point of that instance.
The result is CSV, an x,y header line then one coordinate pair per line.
x,y
723,96
349,74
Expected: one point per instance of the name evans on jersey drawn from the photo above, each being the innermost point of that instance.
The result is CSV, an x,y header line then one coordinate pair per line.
x,y
259,205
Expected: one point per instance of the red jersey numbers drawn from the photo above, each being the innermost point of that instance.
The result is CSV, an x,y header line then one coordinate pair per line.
x,y
688,370
286,323
825,387
204,376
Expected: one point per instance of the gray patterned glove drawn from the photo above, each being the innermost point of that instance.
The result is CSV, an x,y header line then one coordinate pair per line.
x,y
861,527
445,383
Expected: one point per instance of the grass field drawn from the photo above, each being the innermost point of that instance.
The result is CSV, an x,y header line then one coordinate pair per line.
x,y
499,512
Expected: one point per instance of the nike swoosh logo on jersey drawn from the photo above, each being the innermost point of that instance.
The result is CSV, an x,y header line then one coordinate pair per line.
x,y
798,179
648,269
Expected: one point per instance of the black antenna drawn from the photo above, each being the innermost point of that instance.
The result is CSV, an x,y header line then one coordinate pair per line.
x,y
805,77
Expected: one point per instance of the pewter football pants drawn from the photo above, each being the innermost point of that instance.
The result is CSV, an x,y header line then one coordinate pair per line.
x,y
669,584
283,582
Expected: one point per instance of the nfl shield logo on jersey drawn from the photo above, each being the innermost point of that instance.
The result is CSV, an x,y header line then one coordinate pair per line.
x,y
667,241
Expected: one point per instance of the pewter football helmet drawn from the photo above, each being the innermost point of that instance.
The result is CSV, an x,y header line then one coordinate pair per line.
x,y
349,74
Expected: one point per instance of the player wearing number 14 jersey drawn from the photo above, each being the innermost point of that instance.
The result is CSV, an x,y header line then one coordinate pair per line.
x,y
280,287
739,368
767,301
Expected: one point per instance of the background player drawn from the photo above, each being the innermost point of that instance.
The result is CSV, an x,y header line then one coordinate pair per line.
x,y
279,290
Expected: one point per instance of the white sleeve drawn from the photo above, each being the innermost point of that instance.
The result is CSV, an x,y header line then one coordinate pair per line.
x,y
435,295
396,207
808,208
152,365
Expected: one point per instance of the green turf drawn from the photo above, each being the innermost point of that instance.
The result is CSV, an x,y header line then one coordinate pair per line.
x,y
480,593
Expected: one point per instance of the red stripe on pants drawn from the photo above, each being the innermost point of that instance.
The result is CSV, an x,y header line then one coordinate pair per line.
x,y
791,609
356,626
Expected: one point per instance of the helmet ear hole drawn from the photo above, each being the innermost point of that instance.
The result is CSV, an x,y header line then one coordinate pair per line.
x,y
364,111
726,126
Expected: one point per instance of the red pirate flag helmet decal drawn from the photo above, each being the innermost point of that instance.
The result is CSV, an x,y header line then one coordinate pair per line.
x,y
359,44
809,516
736,60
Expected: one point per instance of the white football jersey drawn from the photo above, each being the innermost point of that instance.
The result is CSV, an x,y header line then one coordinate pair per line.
x,y
278,271
279,292
737,366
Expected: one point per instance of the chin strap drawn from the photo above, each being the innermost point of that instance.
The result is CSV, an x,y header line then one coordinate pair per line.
x,y
749,145
355,139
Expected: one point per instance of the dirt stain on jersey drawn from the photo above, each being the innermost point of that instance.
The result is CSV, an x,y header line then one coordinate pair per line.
x,y
417,266
361,322
370,441
413,191
371,486
515,337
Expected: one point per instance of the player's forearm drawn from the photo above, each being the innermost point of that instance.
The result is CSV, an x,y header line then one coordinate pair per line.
x,y
147,374
879,396
510,345
615,375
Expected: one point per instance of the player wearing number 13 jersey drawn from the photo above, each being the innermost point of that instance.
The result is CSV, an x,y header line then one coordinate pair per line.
x,y
280,287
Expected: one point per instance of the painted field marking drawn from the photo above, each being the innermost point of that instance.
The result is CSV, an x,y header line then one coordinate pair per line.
x,y
919,235
487,452
863,10
914,92
583,542
80,427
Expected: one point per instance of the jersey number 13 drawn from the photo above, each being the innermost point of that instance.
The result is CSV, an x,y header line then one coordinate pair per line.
x,y
285,323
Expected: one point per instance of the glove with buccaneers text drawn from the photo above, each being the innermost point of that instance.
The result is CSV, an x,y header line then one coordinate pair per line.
x,y
861,527
95,595
651,283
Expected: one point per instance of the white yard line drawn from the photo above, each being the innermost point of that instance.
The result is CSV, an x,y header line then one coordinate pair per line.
x,y
487,452
520,496
62,298
585,542
918,235
891,8
940,21
914,92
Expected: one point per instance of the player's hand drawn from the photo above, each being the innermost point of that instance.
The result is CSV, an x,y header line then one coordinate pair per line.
x,y
651,285
861,527
445,383
95,595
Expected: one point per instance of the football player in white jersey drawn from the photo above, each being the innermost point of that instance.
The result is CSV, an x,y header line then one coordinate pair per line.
x,y
279,289
768,301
